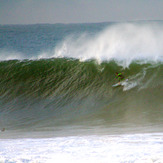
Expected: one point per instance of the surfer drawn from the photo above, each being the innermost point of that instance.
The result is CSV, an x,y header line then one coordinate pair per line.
x,y
119,76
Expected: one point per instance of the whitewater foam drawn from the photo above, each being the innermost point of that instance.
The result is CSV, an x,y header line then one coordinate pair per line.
x,y
111,148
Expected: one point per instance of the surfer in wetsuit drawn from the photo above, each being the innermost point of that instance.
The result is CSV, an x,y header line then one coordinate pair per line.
x,y
119,76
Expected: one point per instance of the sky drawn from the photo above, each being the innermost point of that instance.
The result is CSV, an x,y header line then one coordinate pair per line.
x,y
78,11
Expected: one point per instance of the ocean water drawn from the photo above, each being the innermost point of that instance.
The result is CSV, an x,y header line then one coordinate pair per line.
x,y
57,103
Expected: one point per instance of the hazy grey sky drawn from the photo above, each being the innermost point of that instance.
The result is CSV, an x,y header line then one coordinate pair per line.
x,y
78,11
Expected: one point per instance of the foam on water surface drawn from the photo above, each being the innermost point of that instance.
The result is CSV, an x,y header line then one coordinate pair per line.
x,y
109,148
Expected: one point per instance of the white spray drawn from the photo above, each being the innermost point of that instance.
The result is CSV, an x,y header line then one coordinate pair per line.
x,y
122,42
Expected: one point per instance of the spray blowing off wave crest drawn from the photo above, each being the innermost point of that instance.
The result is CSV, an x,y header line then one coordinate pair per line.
x,y
10,55
121,42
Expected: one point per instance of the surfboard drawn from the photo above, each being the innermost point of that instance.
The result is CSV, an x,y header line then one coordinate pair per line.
x,y
116,85
122,83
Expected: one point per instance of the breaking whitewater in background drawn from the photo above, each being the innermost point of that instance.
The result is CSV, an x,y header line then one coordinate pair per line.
x,y
57,102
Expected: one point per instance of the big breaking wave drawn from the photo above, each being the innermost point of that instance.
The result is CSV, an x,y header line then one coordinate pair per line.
x,y
74,81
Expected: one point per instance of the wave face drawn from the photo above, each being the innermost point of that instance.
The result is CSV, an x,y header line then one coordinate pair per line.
x,y
57,91
56,75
